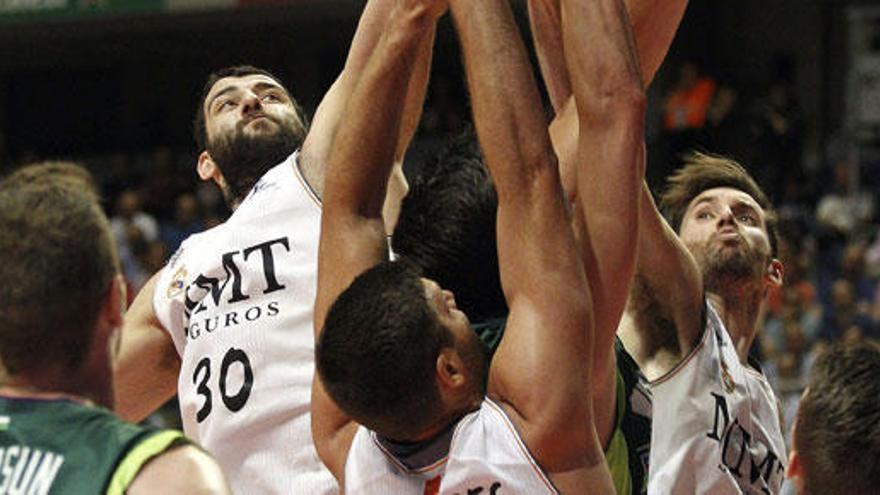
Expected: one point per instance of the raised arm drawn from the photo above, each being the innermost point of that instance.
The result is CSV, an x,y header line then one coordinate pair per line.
x,y
609,169
331,111
663,319
363,153
146,369
542,363
654,23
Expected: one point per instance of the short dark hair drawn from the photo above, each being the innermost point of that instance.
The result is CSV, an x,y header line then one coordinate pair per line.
x,y
378,350
200,132
837,434
69,173
447,227
58,263
703,171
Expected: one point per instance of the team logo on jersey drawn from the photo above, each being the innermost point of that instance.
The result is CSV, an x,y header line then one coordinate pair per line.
x,y
177,283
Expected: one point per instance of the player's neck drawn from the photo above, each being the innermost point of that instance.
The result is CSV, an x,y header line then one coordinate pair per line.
x,y
446,421
27,391
49,386
740,313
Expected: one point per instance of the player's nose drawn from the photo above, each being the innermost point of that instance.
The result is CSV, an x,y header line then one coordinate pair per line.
x,y
726,217
250,103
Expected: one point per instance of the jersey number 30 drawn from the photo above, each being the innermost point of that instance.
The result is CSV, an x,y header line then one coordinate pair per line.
x,y
232,402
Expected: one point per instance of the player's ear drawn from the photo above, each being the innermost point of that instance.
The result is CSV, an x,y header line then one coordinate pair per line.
x,y
795,469
775,273
208,169
450,369
115,302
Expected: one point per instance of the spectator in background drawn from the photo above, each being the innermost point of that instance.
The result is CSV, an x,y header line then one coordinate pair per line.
x,y
788,370
187,221
685,110
687,105
842,214
843,317
796,307
168,176
778,137
852,268
844,209
726,124
133,230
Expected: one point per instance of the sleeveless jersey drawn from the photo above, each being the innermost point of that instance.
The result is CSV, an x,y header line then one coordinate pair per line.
x,y
63,447
634,397
485,455
630,444
238,302
716,424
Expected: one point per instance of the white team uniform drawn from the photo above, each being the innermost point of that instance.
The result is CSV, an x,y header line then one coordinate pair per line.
x,y
238,302
716,424
486,455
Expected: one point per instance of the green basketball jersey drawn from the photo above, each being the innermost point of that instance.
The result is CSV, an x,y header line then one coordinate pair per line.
x,y
634,397
63,447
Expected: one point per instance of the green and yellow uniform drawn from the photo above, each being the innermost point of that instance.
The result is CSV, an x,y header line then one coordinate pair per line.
x,y
60,446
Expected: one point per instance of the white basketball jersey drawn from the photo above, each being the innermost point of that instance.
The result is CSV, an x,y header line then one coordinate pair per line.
x,y
486,455
716,424
238,302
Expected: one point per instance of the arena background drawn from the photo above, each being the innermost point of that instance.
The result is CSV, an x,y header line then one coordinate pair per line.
x,y
789,87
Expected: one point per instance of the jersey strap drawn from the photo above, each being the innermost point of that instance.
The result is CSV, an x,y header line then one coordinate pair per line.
x,y
132,463
617,453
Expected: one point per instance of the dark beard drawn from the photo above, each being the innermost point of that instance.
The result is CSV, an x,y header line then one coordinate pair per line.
x,y
475,357
724,270
243,159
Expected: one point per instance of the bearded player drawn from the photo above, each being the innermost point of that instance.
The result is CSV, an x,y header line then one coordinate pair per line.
x,y
227,323
693,314
698,291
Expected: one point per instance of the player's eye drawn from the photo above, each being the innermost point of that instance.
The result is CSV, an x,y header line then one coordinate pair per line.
x,y
225,105
748,219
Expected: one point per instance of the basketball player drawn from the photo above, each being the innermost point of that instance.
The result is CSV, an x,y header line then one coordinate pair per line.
x,y
728,439
448,219
228,320
61,307
836,447
396,355
693,314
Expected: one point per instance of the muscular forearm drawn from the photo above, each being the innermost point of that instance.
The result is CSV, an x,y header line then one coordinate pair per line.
x,y
415,94
544,18
654,25
504,96
362,157
610,102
